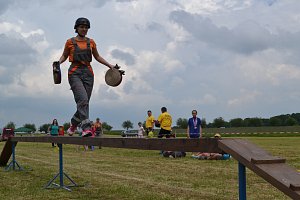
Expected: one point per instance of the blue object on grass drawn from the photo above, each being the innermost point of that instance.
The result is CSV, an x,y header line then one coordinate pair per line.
x,y
225,156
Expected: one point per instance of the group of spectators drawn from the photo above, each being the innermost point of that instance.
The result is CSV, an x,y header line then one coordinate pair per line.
x,y
194,130
55,130
164,121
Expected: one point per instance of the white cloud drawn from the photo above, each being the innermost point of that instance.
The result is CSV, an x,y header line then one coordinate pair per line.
x,y
267,68
205,99
208,99
177,82
245,98
210,7
205,7
7,27
216,55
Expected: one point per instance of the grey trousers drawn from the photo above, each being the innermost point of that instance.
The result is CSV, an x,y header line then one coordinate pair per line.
x,y
81,82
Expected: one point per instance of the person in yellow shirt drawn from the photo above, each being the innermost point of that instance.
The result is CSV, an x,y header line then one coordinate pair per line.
x,y
149,122
165,121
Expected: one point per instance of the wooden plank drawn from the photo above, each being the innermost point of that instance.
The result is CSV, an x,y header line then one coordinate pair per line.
x,y
272,169
267,160
295,187
174,144
247,151
6,153
282,176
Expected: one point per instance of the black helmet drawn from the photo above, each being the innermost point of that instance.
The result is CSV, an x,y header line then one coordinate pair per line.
x,y
82,21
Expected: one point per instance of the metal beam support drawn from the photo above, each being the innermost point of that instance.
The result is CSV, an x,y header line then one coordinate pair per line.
x,y
61,175
13,163
242,182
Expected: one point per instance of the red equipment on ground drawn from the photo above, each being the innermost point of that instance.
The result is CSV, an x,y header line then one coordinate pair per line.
x,y
7,133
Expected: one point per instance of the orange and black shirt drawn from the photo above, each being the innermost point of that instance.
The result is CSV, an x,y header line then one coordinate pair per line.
x,y
80,53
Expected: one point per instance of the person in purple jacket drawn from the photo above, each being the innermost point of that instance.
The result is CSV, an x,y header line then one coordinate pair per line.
x,y
194,129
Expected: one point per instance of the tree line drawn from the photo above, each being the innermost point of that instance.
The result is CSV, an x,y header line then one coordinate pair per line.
x,y
279,120
45,127
181,123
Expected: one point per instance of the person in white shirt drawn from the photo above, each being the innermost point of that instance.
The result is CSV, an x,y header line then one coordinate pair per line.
x,y
141,130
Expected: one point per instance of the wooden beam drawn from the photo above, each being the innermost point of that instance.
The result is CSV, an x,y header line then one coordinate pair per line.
x,y
174,144
6,153
272,169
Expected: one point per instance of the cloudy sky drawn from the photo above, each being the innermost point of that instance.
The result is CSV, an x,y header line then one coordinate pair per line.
x,y
225,58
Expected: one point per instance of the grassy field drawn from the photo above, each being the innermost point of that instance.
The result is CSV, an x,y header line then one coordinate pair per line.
x,y
135,174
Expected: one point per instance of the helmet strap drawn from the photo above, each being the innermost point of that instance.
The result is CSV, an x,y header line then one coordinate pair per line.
x,y
82,36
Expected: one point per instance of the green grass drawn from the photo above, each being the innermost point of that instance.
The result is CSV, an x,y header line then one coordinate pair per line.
x,y
109,173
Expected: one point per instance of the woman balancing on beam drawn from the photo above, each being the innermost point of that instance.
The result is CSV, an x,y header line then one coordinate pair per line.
x,y
80,49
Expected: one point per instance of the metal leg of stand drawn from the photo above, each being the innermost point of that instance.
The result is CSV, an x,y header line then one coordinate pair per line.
x,y
61,175
242,182
13,162
61,167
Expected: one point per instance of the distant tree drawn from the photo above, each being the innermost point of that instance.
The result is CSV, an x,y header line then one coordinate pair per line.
x,y
219,122
237,122
30,126
106,126
10,125
127,124
44,128
203,123
66,126
275,121
210,125
282,118
246,122
296,116
279,120
265,122
291,122
182,123
254,122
